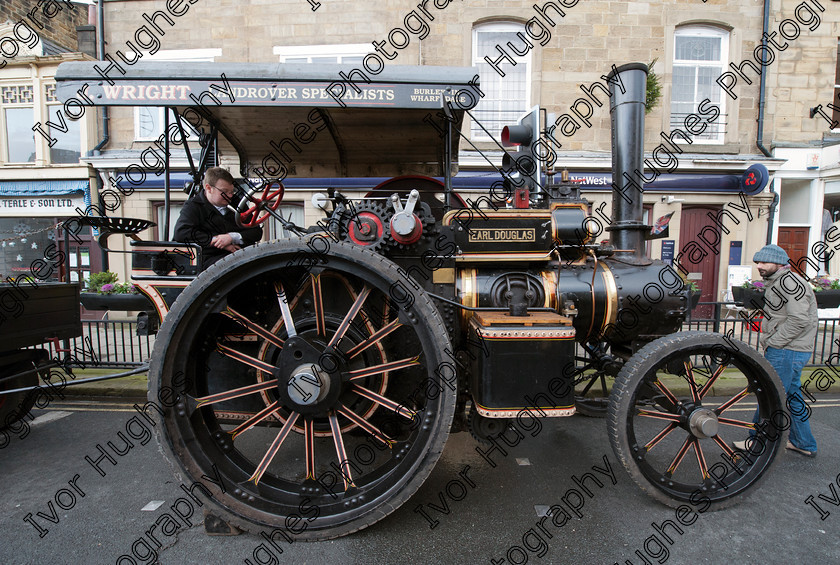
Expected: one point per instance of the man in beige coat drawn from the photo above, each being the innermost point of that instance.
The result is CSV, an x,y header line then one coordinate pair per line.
x,y
788,331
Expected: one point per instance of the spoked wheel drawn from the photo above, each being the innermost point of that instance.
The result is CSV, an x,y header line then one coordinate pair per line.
x,y
675,440
315,385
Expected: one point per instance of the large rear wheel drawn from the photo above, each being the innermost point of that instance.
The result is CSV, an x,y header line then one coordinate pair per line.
x,y
314,383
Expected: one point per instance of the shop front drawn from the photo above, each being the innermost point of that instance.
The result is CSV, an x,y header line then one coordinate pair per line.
x,y
31,239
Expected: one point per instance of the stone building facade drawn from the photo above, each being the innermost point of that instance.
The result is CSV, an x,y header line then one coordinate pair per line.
x,y
42,180
565,46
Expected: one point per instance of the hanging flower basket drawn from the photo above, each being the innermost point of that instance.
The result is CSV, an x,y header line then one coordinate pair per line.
x,y
96,301
748,297
829,298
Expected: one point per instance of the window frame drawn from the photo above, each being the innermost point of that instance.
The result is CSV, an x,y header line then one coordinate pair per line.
x,y
205,55
836,100
699,30
339,51
4,141
510,26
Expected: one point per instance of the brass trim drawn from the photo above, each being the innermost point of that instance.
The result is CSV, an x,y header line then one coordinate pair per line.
x,y
549,279
512,412
523,332
444,275
467,287
497,257
611,311
494,214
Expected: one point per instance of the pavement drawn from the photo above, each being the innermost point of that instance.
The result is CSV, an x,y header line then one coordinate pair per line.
x,y
134,387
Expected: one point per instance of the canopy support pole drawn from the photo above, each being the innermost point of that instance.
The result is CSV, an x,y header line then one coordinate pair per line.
x,y
165,235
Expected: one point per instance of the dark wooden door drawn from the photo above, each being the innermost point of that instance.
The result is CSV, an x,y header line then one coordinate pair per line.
x,y
694,221
795,242
83,258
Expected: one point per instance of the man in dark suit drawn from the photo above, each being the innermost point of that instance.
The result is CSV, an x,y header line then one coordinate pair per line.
x,y
206,220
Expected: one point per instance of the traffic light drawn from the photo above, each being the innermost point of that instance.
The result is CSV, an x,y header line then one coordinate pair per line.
x,y
524,163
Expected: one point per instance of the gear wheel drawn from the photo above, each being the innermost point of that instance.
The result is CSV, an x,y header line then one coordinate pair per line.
x,y
427,220
369,226
483,428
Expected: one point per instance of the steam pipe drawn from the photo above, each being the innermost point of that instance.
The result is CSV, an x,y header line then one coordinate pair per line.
x,y
628,85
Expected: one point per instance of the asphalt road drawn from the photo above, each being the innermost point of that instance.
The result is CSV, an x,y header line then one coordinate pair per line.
x,y
498,507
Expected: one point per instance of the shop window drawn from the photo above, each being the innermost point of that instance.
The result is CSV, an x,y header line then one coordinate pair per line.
x,y
700,56
22,241
18,116
506,98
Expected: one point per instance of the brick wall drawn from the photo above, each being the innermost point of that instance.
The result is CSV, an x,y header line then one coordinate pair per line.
x,y
54,20
584,44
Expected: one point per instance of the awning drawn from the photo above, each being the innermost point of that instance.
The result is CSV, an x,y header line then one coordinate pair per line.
x,y
303,120
42,187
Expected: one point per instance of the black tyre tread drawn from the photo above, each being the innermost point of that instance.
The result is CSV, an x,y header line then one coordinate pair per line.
x,y
378,262
623,388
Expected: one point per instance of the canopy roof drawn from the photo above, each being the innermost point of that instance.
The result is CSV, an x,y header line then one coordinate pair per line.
x,y
302,118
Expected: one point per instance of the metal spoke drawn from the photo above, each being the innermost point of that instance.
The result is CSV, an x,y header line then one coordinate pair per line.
x,y
737,423
258,364
726,449
664,390
659,415
731,402
692,384
309,444
339,449
701,461
660,436
386,403
679,457
317,301
272,450
375,338
345,323
708,386
367,426
376,369
235,393
256,328
284,309
255,419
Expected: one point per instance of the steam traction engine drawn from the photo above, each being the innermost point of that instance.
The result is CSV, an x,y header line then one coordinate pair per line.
x,y
320,376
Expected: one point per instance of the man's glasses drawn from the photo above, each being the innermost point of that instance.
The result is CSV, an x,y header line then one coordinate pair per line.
x,y
224,192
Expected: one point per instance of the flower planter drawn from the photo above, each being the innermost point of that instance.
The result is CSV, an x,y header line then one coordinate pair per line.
x,y
828,298
748,297
96,301
694,298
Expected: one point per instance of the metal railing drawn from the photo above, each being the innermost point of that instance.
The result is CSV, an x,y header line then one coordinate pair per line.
x,y
729,318
105,344
115,343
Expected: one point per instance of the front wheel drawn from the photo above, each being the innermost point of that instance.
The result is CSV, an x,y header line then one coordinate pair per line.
x,y
315,385
675,440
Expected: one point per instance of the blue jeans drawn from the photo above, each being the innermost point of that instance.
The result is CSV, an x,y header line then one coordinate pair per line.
x,y
789,363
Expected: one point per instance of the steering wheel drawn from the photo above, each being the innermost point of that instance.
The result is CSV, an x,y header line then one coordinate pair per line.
x,y
254,208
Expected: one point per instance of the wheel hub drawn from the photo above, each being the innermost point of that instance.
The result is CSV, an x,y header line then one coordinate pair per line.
x,y
308,385
703,423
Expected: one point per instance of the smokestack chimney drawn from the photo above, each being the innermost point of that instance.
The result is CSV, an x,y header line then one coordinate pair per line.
x,y
628,87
